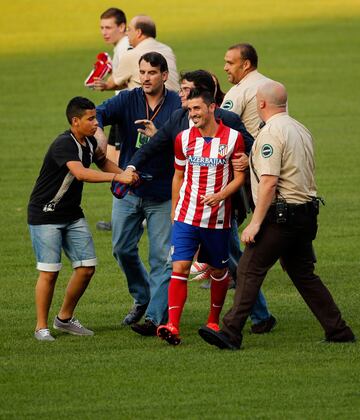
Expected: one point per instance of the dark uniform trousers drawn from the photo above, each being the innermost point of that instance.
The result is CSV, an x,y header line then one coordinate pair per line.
x,y
292,243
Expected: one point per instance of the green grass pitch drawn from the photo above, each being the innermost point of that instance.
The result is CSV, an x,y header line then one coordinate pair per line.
x,y
46,51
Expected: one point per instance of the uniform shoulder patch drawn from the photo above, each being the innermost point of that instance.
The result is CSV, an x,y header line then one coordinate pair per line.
x,y
266,151
228,104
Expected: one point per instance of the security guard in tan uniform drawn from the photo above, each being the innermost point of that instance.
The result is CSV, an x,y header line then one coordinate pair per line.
x,y
283,225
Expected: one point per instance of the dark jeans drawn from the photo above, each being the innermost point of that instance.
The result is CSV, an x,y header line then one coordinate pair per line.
x,y
292,242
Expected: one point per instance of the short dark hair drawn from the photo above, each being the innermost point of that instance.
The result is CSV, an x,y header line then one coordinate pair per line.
x,y
205,95
247,52
202,79
219,94
147,26
156,60
116,13
77,107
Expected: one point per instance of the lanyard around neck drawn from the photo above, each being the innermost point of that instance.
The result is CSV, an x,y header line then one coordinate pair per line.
x,y
156,110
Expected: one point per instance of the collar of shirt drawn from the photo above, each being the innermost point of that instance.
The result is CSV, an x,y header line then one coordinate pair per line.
x,y
250,75
279,114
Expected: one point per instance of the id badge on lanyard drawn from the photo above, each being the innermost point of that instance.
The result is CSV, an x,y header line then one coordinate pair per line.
x,y
141,140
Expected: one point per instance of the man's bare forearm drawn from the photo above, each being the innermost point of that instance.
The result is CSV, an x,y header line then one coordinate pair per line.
x,y
101,139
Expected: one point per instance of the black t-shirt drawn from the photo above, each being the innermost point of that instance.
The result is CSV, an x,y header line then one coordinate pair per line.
x,y
56,196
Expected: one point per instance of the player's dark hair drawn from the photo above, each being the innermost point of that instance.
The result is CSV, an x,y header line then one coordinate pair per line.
x,y
219,94
116,13
156,60
247,52
202,79
77,107
147,26
205,95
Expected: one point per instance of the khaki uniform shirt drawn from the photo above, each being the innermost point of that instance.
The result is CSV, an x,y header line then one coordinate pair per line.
x,y
127,72
284,148
241,99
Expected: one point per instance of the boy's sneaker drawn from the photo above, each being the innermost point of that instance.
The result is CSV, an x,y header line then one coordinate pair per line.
x,y
169,333
213,326
72,327
43,335
197,267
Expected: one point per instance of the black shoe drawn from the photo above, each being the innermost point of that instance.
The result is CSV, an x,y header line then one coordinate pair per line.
x,y
264,326
148,328
332,340
345,336
217,338
103,225
135,314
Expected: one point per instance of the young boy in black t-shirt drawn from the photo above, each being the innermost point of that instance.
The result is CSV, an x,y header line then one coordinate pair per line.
x,y
56,220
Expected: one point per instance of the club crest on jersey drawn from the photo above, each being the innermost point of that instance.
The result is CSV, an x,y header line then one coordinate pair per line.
x,y
223,149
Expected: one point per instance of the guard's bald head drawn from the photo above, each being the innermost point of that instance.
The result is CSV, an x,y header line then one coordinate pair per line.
x,y
274,93
271,98
145,24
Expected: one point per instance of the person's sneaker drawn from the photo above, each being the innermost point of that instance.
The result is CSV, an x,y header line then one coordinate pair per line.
x,y
148,328
72,327
213,326
205,275
135,314
103,225
264,327
197,267
169,333
43,335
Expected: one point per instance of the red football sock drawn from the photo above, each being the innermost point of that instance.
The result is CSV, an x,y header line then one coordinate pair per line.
x,y
219,287
177,297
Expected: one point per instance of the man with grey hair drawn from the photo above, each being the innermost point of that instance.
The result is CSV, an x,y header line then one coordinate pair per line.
x,y
141,33
283,225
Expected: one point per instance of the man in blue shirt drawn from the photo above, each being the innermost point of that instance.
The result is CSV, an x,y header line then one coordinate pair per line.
x,y
150,201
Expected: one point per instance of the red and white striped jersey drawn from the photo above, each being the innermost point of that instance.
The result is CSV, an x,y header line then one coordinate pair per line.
x,y
207,166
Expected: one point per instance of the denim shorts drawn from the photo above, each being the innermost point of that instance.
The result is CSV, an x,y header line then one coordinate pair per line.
x,y
73,237
214,244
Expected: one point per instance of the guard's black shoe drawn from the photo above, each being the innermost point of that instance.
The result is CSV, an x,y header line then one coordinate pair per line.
x,y
148,328
264,327
217,338
331,340
135,314
344,336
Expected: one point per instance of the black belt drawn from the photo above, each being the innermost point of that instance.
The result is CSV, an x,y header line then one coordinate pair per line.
x,y
282,212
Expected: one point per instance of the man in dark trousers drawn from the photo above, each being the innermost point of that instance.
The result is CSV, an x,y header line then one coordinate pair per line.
x,y
283,225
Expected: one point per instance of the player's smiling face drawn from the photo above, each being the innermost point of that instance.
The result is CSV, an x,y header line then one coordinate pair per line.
x,y
199,112
110,31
